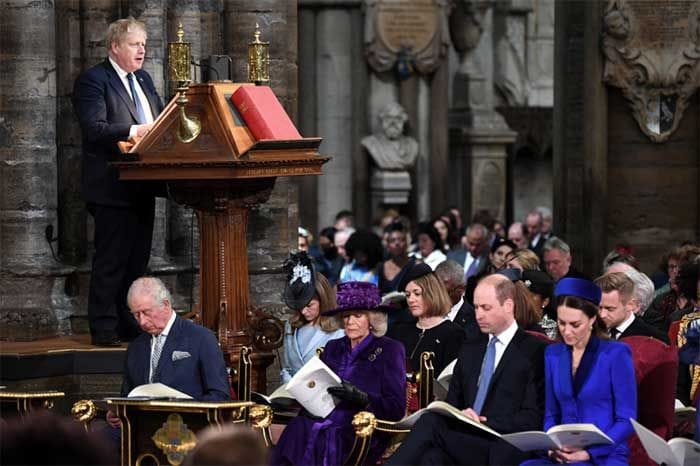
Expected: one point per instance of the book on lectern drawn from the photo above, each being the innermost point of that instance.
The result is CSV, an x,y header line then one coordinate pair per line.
x,y
263,113
154,391
678,451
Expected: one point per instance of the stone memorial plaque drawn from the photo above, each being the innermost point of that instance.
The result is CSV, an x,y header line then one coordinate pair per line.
x,y
411,34
652,51
407,24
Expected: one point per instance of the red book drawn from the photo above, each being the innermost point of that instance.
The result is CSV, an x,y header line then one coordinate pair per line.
x,y
263,113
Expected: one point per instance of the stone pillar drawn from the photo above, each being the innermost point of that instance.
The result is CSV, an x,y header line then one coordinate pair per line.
x,y
334,116
27,167
478,134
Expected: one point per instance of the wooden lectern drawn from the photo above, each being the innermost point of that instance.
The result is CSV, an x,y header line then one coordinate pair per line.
x,y
222,173
158,432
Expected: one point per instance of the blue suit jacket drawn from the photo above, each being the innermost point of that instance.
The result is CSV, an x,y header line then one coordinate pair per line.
x,y
604,393
106,112
202,375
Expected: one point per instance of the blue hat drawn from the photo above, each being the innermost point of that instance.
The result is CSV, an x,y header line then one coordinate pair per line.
x,y
580,288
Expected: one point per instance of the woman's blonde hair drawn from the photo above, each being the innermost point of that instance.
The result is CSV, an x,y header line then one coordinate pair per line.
x,y
378,321
435,296
117,31
527,259
326,301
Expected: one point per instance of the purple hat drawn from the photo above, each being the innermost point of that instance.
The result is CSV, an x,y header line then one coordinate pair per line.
x,y
580,288
357,296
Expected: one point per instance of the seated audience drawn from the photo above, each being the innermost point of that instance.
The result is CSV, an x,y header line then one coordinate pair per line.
x,y
230,445
373,371
517,233
430,247
589,379
328,261
451,274
429,302
541,289
444,229
173,351
619,307
364,251
392,270
304,239
498,381
500,248
557,260
307,293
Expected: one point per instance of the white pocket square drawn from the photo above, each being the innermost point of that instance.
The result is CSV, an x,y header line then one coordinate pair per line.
x,y
177,355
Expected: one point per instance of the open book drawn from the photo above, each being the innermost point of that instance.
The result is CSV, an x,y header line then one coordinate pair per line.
x,y
155,391
279,398
441,385
309,387
683,413
444,409
676,452
564,435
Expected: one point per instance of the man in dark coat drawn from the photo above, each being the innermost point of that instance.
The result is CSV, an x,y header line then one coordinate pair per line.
x,y
114,101
451,274
498,381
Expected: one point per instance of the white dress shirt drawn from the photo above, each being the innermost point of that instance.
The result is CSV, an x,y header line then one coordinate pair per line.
x,y
139,93
504,339
455,309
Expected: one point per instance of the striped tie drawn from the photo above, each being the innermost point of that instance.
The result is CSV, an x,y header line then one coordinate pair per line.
x,y
140,114
155,356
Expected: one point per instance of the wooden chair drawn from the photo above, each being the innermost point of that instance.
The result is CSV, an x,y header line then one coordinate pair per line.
x,y
655,367
366,424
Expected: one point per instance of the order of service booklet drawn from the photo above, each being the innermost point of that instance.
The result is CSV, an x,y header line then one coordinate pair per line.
x,y
678,451
683,413
152,391
564,435
309,386
441,385
444,409
278,398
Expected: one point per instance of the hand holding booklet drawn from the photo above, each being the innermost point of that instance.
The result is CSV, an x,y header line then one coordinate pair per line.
x,y
444,409
562,436
676,452
309,387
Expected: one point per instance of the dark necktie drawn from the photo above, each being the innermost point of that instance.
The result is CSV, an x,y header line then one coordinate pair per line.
x,y
140,114
614,333
487,367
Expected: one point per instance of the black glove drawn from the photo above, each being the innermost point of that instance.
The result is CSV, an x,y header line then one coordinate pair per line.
x,y
350,393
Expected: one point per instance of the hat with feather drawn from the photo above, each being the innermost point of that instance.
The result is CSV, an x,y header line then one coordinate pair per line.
x,y
301,281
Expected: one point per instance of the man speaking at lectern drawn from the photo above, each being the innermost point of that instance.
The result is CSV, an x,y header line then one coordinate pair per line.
x,y
116,100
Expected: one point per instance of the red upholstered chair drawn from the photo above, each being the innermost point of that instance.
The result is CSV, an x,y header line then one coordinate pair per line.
x,y
673,333
655,368
541,336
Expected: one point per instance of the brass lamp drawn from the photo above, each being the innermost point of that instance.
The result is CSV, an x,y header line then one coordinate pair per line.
x,y
258,59
179,72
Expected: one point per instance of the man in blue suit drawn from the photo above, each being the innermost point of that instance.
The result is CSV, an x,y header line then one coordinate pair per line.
x,y
173,351
114,101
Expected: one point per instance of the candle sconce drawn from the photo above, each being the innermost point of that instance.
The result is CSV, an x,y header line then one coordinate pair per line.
x,y
258,59
179,72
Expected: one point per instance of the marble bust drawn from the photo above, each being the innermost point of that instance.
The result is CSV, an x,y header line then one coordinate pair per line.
x,y
390,149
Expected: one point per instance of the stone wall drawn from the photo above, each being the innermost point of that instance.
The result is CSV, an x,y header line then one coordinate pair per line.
x,y
45,46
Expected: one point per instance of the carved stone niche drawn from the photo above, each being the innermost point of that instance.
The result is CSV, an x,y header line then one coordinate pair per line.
x,y
652,52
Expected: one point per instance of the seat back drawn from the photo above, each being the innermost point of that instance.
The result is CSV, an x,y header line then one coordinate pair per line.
x,y
655,368
541,336
244,384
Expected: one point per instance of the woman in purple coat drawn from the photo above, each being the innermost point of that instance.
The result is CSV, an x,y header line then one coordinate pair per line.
x,y
373,370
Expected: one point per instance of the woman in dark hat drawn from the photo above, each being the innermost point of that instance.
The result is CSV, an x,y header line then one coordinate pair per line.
x,y
588,379
429,245
372,368
541,289
428,302
307,293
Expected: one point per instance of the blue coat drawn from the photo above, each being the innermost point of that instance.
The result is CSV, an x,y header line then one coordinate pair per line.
x,y
377,366
603,392
202,374
295,356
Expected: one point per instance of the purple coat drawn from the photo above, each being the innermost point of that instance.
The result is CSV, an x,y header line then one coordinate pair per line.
x,y
377,366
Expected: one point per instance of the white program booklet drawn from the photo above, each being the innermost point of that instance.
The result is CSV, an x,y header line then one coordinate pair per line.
x,y
157,390
309,387
565,435
676,452
441,385
279,397
444,409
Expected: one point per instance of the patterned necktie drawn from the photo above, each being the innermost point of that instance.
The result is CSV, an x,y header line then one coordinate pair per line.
x,y
140,115
155,356
487,367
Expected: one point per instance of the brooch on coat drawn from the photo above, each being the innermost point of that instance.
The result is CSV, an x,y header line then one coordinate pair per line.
x,y
375,353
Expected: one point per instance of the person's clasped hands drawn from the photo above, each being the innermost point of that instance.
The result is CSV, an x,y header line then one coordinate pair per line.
x,y
350,393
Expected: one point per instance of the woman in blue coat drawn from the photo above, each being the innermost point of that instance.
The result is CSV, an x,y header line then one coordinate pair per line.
x,y
373,370
588,379
308,293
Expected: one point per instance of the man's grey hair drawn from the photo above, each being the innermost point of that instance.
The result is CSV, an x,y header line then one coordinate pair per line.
x,y
450,270
538,214
556,243
483,231
545,212
643,288
118,30
149,286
